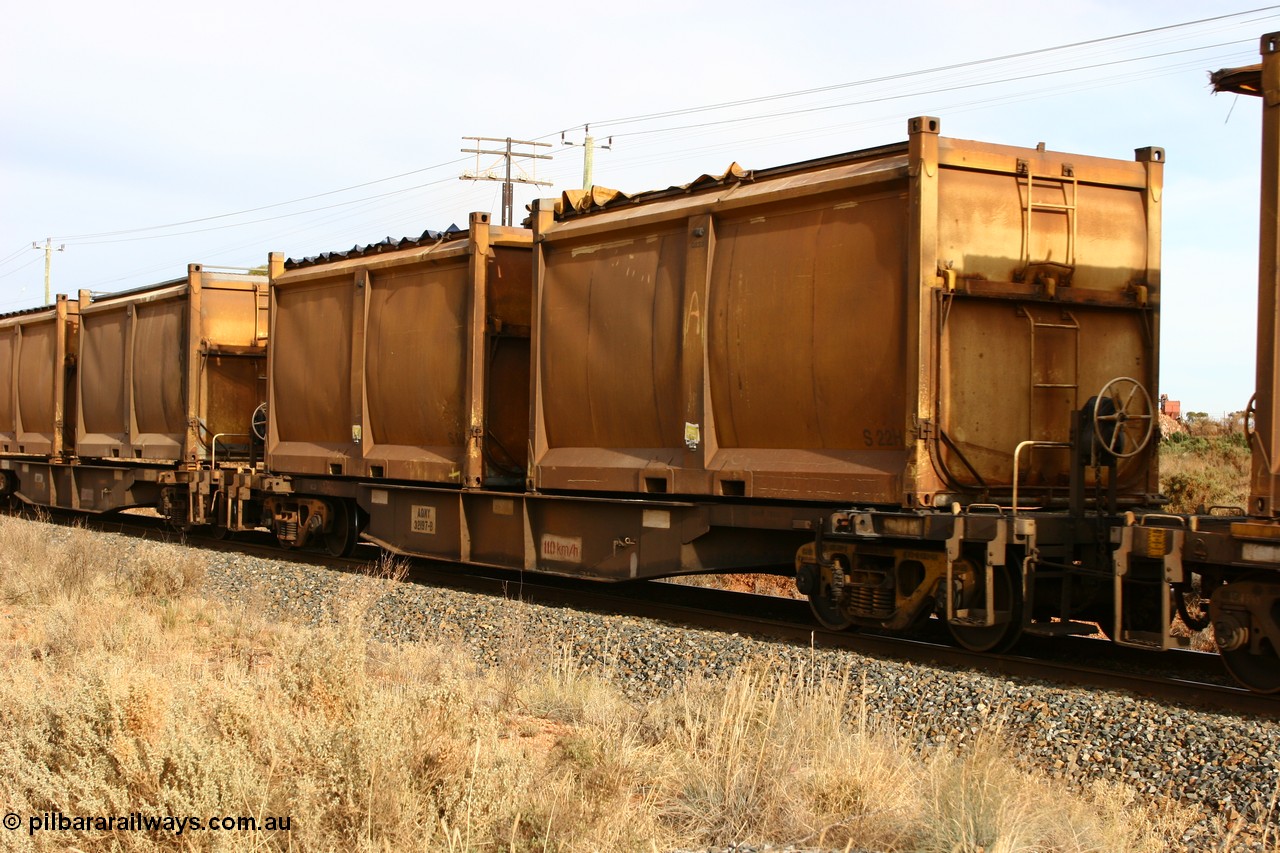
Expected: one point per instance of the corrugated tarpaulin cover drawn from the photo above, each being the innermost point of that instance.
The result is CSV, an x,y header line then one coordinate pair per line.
x,y
25,311
583,201
386,245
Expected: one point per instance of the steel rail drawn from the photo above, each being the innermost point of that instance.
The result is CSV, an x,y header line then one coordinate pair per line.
x,y
1188,678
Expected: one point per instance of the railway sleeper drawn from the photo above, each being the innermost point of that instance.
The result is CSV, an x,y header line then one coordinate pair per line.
x,y
892,587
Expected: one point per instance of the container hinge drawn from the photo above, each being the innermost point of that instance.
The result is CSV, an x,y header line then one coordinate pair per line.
x,y
925,430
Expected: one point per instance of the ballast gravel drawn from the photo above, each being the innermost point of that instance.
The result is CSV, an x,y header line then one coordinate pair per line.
x,y
1227,767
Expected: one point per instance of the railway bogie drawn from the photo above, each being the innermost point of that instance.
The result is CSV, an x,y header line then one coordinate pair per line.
x,y
990,574
330,523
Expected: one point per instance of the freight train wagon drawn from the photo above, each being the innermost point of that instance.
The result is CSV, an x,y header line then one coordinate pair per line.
x,y
130,399
957,338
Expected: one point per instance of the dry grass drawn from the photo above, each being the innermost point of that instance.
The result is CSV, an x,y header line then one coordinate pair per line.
x,y
779,586
1208,465
124,691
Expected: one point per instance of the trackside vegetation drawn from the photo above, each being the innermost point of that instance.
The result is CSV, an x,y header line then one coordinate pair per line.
x,y
126,691
1204,462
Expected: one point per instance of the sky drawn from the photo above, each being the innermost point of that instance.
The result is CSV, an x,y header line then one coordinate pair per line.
x,y
149,135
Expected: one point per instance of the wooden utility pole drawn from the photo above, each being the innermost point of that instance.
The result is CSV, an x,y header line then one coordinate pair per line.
x,y
508,154
48,258
588,154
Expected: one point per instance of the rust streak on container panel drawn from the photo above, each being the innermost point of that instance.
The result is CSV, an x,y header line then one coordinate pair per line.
x,y
194,339
474,347
920,480
385,362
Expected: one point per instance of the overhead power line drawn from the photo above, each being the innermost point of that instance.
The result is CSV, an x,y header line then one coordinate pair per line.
x,y
16,270
263,207
260,220
14,255
924,72
938,91
143,233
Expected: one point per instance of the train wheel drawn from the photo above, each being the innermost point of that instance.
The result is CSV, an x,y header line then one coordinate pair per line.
x,y
827,609
340,540
989,638
1258,672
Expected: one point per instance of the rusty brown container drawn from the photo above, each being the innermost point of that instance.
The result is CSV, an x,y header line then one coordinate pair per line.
x,y
37,357
406,361
885,326
173,372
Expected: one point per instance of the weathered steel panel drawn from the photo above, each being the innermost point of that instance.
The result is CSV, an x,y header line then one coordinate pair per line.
x,y
610,342
38,361
805,307
417,338
982,219
8,405
101,378
165,369
1056,293
495,527
409,363
229,310
37,352
310,381
1014,371
159,372
82,487
235,385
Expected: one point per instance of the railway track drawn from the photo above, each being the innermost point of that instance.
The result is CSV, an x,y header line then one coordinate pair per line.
x,y
1192,679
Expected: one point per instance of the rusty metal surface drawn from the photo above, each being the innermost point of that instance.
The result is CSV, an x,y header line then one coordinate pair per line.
x,y
1264,80
37,349
83,488
165,369
8,405
405,361
845,329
